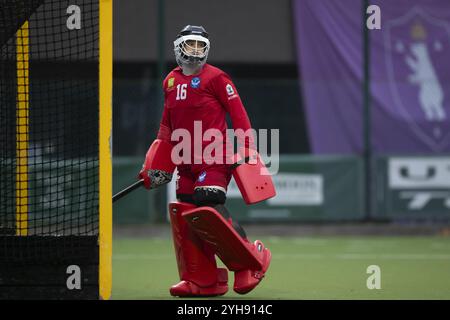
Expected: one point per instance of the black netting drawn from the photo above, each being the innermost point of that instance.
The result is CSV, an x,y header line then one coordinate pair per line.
x,y
48,118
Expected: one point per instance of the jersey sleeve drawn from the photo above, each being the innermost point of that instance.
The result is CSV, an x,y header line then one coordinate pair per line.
x,y
165,131
229,98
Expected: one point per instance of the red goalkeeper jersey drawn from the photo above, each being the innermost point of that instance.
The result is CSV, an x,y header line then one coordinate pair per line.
x,y
206,97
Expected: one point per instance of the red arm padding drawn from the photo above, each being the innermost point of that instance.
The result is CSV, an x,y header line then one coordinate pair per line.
x,y
158,166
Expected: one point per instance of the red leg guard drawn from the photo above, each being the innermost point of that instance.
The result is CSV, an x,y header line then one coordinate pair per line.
x,y
247,280
236,253
197,266
189,289
249,261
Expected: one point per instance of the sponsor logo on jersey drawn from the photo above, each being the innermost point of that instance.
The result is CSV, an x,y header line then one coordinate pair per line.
x,y
230,89
170,83
195,82
202,176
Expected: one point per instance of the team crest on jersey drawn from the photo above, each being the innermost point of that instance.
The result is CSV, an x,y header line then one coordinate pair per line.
x,y
202,176
195,82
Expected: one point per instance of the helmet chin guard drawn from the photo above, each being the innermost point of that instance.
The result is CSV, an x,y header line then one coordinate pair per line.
x,y
191,48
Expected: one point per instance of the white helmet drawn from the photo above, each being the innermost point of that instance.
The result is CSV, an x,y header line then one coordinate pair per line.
x,y
190,56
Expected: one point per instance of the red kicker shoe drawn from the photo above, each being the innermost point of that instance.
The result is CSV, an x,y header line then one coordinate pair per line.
x,y
189,289
246,280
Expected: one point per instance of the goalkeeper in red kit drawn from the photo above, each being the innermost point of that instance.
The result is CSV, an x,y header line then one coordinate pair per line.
x,y
198,93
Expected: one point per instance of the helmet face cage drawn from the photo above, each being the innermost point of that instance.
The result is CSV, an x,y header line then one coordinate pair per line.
x,y
191,50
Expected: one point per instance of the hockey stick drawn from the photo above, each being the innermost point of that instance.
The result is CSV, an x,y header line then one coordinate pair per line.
x,y
139,183
127,190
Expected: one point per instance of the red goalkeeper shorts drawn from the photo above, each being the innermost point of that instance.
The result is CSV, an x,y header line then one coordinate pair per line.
x,y
192,176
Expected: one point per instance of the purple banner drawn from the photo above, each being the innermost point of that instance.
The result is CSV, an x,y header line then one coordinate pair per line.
x,y
409,75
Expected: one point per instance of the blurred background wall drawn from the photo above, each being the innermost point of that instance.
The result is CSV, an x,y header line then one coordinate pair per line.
x,y
349,151
252,31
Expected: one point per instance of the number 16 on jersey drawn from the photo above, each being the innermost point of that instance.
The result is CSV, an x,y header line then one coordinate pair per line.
x,y
181,91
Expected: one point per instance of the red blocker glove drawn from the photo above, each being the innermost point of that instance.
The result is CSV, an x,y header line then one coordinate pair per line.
x,y
252,177
158,167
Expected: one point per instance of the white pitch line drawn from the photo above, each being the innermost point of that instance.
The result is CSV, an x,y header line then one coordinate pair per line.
x,y
365,256
143,256
306,256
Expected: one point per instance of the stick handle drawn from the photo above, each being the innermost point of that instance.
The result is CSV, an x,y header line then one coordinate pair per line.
x,y
237,164
127,190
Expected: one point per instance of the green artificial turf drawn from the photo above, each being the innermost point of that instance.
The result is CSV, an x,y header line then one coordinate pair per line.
x,y
302,268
